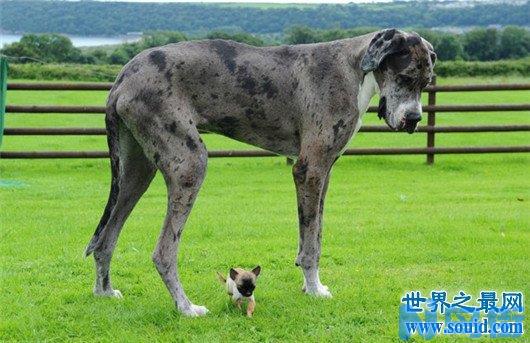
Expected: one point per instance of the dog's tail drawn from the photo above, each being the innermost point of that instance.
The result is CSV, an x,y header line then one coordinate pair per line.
x,y
221,278
111,123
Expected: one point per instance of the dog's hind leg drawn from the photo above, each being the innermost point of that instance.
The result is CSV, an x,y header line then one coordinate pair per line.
x,y
173,142
184,167
136,172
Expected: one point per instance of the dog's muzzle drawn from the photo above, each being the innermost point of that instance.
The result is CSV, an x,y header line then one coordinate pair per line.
x,y
408,122
411,121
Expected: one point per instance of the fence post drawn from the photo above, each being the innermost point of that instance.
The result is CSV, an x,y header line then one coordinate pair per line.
x,y
431,121
3,94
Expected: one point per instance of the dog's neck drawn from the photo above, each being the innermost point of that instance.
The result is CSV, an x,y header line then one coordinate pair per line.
x,y
367,89
356,48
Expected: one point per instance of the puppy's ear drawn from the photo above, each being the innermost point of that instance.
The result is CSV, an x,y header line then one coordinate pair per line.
x,y
256,270
384,43
233,274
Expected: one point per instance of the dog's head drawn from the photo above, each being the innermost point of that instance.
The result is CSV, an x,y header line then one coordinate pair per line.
x,y
245,281
402,64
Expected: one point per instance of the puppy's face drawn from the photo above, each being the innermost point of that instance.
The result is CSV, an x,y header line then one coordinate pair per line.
x,y
245,281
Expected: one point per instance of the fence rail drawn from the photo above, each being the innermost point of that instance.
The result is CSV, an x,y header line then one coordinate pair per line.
x,y
371,109
84,131
105,86
263,153
431,129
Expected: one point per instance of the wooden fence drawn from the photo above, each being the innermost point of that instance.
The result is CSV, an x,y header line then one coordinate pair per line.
x,y
430,150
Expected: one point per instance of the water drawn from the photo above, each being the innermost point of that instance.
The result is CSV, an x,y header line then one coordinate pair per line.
x,y
78,41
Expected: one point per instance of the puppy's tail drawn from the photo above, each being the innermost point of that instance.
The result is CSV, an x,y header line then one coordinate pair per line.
x,y
221,278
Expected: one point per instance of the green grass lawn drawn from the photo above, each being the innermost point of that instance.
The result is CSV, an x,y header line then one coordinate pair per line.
x,y
392,224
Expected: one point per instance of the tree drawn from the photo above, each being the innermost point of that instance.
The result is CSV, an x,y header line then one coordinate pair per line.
x,y
50,48
301,35
481,44
126,51
121,55
333,34
114,18
514,42
448,48
100,56
431,36
21,52
159,38
242,37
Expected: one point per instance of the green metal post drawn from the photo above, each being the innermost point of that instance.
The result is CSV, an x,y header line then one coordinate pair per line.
x,y
3,94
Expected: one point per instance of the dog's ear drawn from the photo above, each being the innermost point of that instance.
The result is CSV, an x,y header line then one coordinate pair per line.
x,y
256,270
384,43
431,52
433,57
233,274
430,48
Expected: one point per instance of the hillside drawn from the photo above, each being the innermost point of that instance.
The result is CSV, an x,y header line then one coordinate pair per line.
x,y
111,18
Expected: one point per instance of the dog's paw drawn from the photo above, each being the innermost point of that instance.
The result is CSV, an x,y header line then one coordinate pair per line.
x,y
117,294
319,290
112,293
194,311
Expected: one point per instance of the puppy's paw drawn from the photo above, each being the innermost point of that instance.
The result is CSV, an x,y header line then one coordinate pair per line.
x,y
111,293
319,290
194,311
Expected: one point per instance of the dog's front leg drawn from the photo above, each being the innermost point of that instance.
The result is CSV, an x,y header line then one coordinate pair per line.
x,y
311,177
251,306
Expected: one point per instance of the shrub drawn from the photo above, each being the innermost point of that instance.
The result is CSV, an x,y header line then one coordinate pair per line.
x,y
72,72
241,37
107,73
492,68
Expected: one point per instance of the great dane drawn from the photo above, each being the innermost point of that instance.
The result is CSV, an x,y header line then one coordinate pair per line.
x,y
304,101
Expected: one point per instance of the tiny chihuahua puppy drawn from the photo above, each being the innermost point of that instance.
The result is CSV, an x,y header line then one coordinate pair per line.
x,y
240,284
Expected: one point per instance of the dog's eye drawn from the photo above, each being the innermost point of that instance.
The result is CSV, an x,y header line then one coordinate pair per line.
x,y
404,52
424,83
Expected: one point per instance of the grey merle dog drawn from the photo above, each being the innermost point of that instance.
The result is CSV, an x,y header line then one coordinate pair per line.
x,y
304,101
